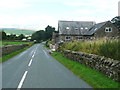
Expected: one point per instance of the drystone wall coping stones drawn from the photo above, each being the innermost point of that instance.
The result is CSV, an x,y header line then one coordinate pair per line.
x,y
107,66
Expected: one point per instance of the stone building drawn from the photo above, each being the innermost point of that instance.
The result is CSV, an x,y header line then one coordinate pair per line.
x,y
104,29
73,30
81,30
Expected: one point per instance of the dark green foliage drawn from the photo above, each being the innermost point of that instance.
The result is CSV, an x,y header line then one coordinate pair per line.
x,y
48,42
116,21
39,35
49,31
42,35
14,37
20,37
2,35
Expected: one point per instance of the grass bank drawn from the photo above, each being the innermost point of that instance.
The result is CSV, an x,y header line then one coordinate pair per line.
x,y
7,57
92,77
107,48
13,42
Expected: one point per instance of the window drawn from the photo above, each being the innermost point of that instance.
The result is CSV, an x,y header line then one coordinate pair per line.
x,y
108,29
79,37
81,28
68,37
76,28
86,28
67,28
95,29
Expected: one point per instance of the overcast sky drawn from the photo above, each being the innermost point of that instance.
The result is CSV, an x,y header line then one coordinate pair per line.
x,y
37,14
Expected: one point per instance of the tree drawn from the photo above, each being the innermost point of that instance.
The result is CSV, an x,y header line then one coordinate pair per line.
x,y
116,21
3,35
39,35
21,36
42,35
11,37
49,31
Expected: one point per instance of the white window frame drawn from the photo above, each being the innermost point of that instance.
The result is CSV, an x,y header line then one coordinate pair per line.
x,y
86,27
76,28
67,28
107,29
95,29
81,28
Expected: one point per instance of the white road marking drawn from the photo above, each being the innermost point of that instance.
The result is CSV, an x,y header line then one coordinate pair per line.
x,y
33,55
22,80
34,52
30,63
46,54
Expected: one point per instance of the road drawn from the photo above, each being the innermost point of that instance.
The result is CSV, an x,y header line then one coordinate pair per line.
x,y
35,68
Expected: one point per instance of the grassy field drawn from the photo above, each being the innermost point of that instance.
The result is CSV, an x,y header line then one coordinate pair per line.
x,y
7,57
107,48
12,43
92,77
17,31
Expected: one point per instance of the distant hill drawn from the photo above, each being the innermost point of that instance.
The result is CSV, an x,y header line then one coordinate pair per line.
x,y
17,31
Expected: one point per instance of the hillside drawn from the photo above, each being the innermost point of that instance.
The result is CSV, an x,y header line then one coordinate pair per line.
x,y
17,31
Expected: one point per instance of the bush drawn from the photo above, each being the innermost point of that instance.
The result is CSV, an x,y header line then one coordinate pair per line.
x,y
48,42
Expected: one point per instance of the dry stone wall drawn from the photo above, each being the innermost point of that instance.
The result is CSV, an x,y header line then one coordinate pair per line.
x,y
107,66
6,49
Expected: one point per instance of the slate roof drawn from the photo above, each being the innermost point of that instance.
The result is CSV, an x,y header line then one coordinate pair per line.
x,y
74,27
95,28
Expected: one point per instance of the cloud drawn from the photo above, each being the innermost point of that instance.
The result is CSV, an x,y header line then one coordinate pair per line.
x,y
98,5
33,21
80,10
13,4
76,3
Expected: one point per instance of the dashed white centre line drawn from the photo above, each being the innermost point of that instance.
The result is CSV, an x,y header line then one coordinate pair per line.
x,y
22,80
33,55
30,62
24,76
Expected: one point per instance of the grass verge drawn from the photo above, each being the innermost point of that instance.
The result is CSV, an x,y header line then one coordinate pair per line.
x,y
91,76
7,57
13,42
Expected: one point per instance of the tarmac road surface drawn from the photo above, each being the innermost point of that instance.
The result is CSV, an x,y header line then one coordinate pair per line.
x,y
35,68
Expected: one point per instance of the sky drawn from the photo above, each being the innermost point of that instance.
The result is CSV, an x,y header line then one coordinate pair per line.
x,y
37,14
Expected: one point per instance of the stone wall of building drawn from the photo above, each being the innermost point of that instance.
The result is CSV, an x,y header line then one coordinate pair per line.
x,y
6,49
107,66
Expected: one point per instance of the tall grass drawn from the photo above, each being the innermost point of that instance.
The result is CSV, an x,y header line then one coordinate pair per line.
x,y
107,48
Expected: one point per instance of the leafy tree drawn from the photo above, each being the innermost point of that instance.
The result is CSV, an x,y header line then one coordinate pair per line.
x,y
39,35
116,21
11,37
43,35
3,35
21,36
49,31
